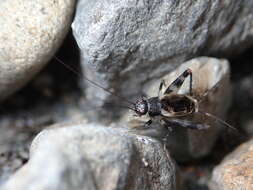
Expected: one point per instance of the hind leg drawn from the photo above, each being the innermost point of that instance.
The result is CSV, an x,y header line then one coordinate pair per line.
x,y
185,123
176,84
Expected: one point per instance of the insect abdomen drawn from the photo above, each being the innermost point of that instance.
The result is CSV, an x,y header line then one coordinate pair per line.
x,y
177,104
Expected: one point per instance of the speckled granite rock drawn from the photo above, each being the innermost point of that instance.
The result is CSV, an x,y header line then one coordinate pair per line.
x,y
128,43
235,172
31,32
90,156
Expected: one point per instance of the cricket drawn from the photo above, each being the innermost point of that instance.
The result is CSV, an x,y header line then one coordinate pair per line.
x,y
169,107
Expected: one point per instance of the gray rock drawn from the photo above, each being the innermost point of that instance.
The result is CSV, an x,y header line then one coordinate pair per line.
x,y
14,148
210,77
90,156
235,172
31,32
242,103
125,44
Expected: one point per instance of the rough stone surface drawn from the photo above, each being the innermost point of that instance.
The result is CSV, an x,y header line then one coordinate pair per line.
x,y
14,148
235,172
211,77
31,32
128,43
243,103
88,156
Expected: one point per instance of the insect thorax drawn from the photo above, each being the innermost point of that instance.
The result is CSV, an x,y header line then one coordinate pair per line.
x,y
154,106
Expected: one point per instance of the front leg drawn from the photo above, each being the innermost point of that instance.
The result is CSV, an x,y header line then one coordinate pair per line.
x,y
148,123
139,122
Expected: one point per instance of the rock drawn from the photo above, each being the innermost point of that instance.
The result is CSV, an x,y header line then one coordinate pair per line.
x,y
31,32
126,44
235,171
211,77
90,156
243,101
14,146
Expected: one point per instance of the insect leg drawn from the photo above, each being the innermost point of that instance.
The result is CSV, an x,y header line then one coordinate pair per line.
x,y
176,84
185,123
148,123
162,84
217,119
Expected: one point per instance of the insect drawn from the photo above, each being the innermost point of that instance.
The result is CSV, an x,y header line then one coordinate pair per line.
x,y
169,108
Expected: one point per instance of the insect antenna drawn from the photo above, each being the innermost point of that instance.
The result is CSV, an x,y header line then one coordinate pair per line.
x,y
218,119
112,105
215,87
94,83
120,106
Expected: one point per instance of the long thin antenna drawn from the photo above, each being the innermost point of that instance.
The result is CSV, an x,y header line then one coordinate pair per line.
x,y
92,82
113,105
218,119
215,87
120,106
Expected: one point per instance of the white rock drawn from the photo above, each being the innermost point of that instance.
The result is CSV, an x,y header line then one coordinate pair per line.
x,y
31,32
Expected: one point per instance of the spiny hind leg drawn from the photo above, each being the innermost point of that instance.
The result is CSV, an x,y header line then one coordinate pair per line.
x,y
184,123
176,84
